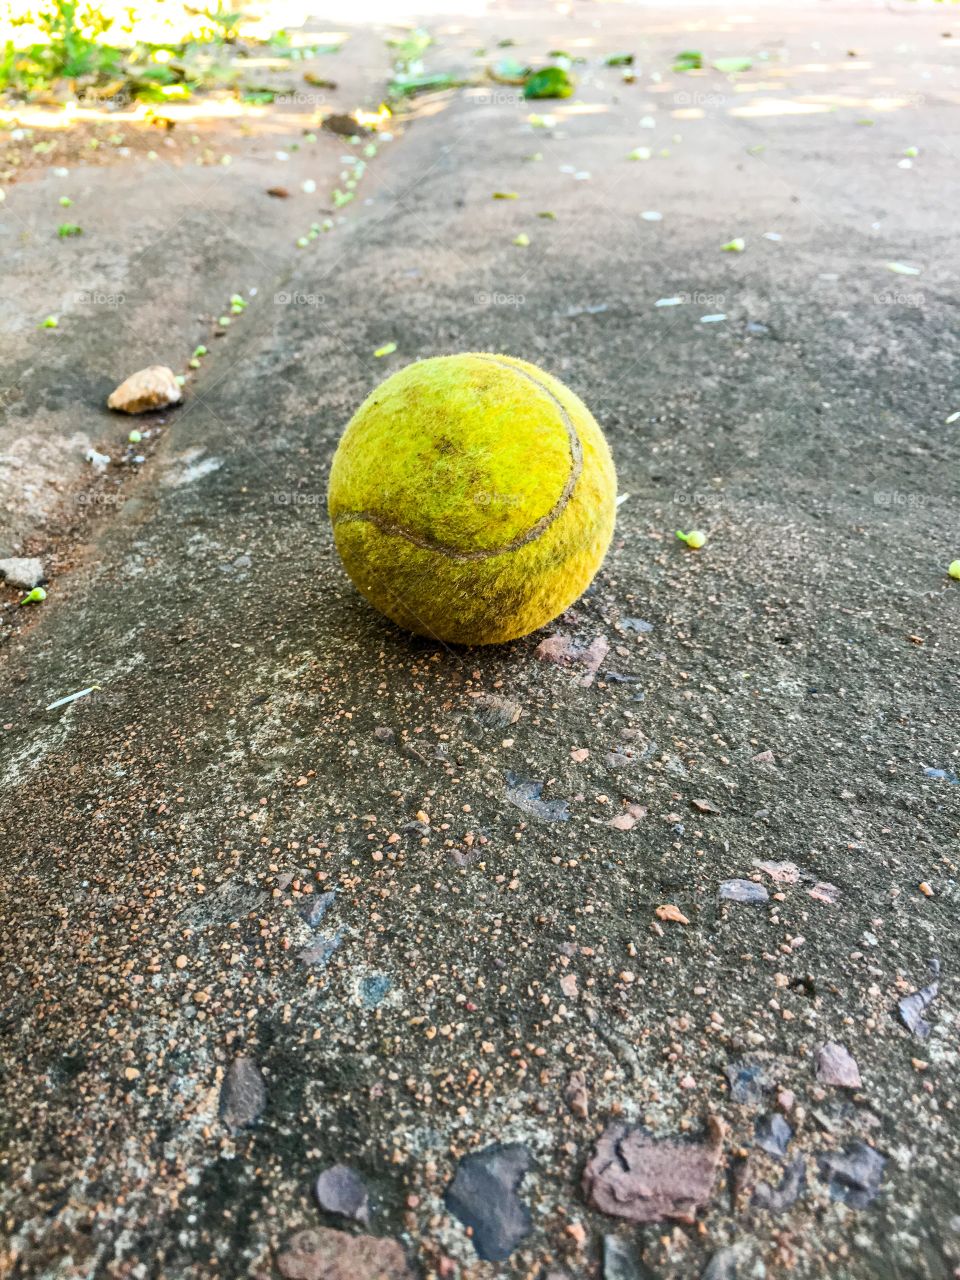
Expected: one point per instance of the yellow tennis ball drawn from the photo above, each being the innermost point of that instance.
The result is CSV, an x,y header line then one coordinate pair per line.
x,y
472,498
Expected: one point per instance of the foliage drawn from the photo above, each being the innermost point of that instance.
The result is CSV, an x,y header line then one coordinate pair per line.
x,y
82,43
72,46
551,82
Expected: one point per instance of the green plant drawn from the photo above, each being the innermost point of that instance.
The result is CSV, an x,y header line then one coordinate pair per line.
x,y
224,24
72,46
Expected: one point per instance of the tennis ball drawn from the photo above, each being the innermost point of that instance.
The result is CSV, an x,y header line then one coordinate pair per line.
x,y
472,498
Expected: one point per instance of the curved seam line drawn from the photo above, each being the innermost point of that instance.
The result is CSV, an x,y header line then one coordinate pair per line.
x,y
534,532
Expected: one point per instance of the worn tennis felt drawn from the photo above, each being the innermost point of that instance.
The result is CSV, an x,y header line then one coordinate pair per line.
x,y
472,498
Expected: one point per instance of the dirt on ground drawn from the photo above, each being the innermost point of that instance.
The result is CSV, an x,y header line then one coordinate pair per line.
x,y
628,955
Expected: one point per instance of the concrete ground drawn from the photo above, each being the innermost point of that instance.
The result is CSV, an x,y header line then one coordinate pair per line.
x,y
497,962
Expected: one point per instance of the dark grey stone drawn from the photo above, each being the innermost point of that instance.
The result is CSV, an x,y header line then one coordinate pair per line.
x,y
317,907
621,1260
524,793
748,1082
243,1094
912,1009
319,953
483,1196
854,1175
773,1134
777,1199
374,988
340,1190
743,891
722,1266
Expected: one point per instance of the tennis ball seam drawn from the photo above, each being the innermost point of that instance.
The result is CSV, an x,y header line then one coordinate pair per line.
x,y
535,531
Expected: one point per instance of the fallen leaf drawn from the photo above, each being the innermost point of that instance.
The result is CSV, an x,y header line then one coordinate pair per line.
x,y
731,65
688,60
551,82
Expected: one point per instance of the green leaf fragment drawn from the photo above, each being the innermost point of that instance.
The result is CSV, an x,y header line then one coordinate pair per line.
x,y
954,569
194,363
695,539
51,322
387,349
548,214
407,86
729,66
902,269
912,152
522,240
505,195
224,322
689,60
69,229
640,153
737,245
551,82
65,202
619,60
34,596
